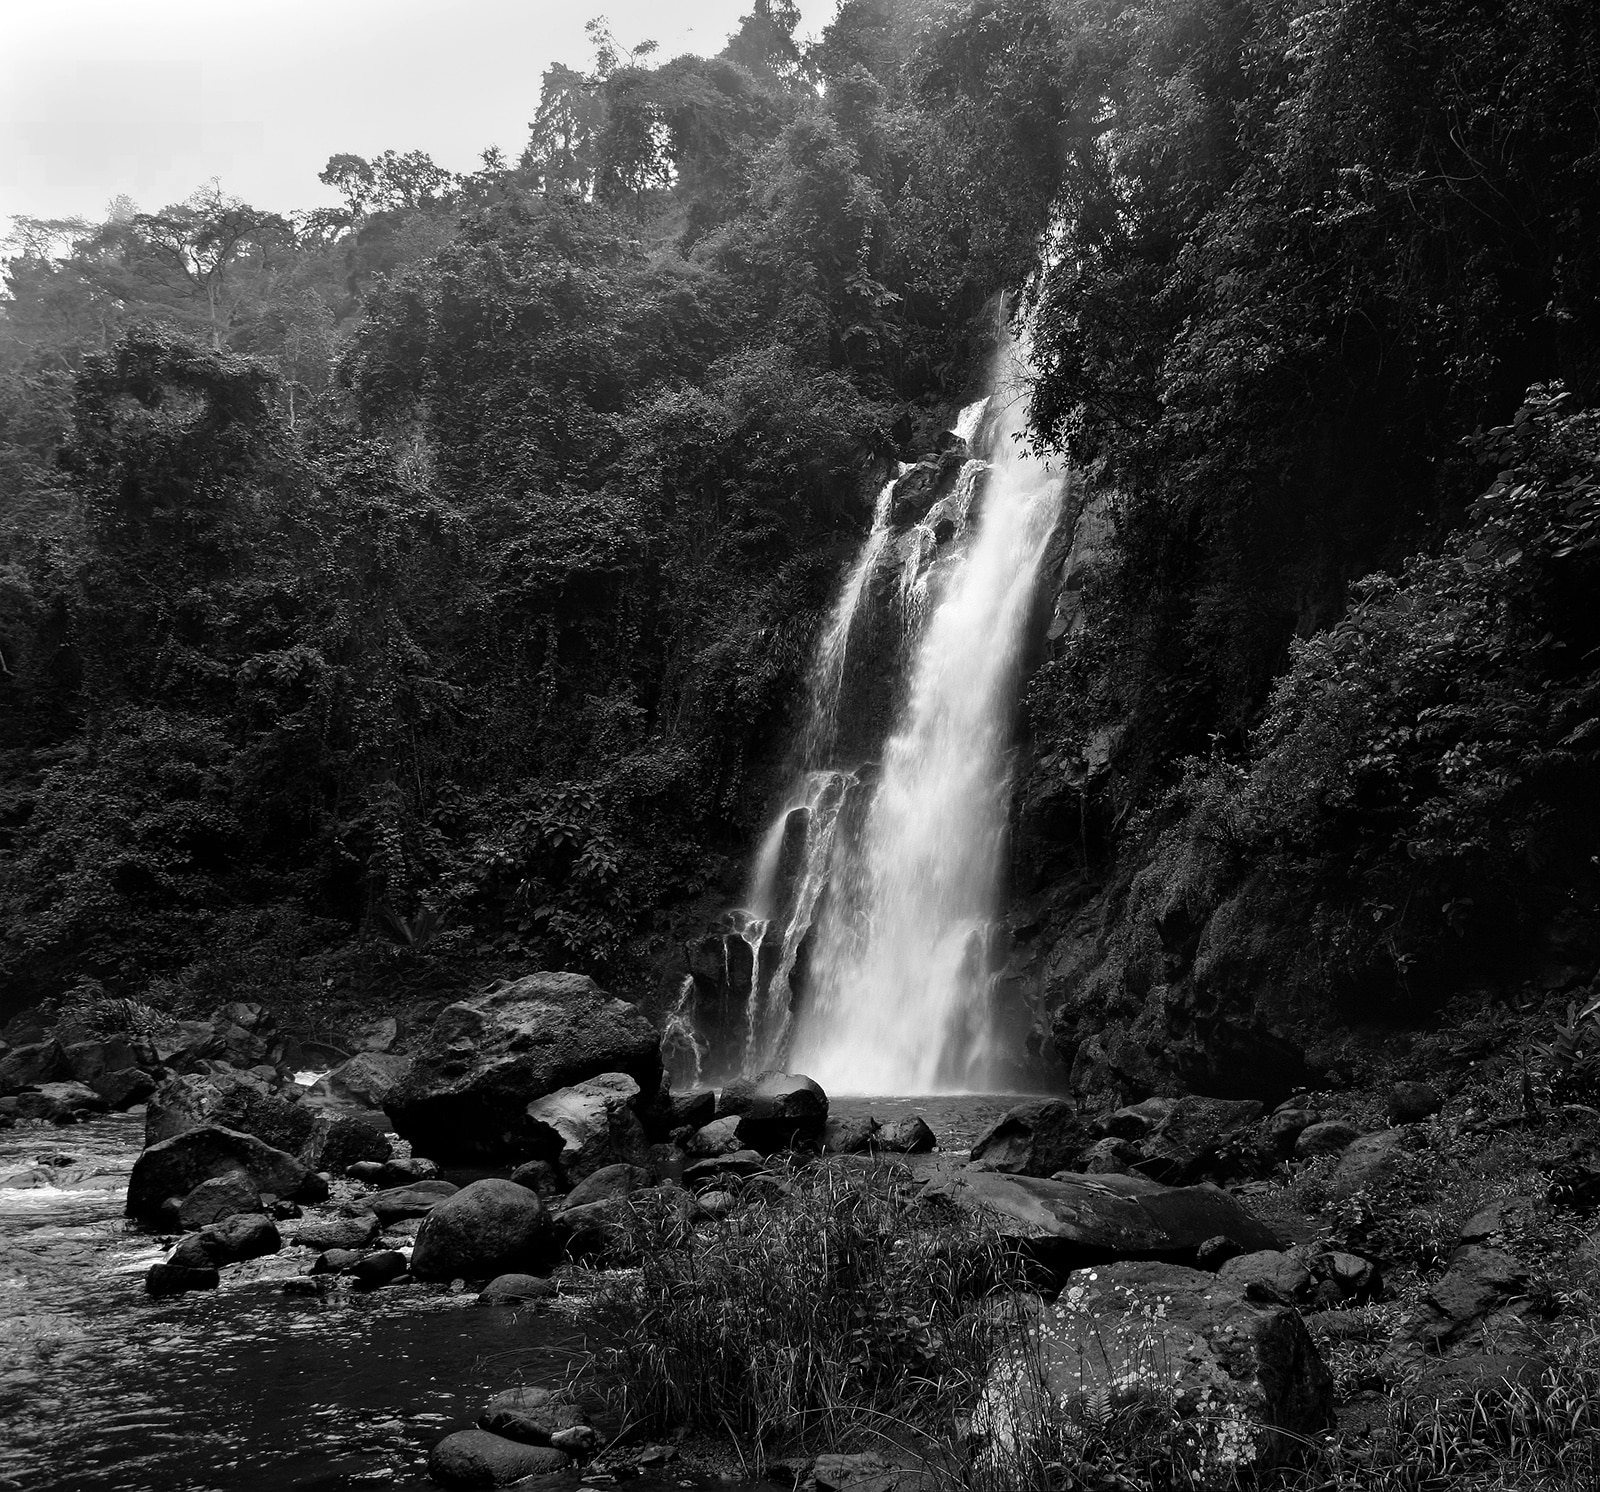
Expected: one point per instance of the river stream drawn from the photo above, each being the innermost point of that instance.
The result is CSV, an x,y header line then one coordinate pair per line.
x,y
245,1388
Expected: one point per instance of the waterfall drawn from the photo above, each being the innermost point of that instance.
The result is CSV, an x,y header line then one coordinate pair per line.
x,y
873,895
826,682
898,989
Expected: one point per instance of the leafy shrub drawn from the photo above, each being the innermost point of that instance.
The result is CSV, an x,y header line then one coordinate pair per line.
x,y
1572,1057
1410,758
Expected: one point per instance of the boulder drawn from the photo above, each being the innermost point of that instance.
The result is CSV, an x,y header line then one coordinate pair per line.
x,y
339,1232
531,1415
244,1032
125,1087
87,1060
539,1176
378,1036
416,1200
175,1167
841,1135
779,1109
184,1043
216,1198
716,1169
1244,1377
1330,1137
516,1289
60,1103
240,1237
608,1182
588,1126
29,1066
1107,1157
403,1172
578,1441
226,1100
488,1228
365,1081
1184,1139
372,1271
475,1458
720,1137
1285,1125
1036,1138
336,1261
906,1137
1215,1252
862,1472
1271,1275
175,1279
368,1172
1480,1300
487,1058
1412,1102
617,1229
342,1135
692,1110
1370,1160
1072,1220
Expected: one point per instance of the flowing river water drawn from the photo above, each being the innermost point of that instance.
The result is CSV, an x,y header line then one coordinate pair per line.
x,y
246,1388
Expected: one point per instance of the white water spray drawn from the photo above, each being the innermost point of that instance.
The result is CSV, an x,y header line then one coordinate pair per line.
x,y
827,668
899,985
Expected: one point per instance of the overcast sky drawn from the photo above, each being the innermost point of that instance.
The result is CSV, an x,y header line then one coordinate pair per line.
x,y
152,98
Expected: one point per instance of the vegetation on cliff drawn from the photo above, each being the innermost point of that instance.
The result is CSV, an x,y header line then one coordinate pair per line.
x,y
426,584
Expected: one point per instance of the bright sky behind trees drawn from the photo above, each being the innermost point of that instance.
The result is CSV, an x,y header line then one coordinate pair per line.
x,y
151,98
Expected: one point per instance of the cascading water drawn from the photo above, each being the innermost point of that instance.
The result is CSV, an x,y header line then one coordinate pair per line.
x,y
898,997
792,865
868,918
826,683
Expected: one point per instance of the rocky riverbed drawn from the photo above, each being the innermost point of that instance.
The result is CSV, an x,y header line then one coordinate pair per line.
x,y
251,1279
244,1387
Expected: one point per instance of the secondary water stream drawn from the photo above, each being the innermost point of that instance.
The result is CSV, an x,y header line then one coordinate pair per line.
x,y
243,1388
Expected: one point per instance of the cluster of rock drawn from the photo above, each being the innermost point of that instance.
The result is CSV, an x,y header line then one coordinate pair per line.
x,y
546,1072
1132,1220
67,1074
522,1432
1181,1140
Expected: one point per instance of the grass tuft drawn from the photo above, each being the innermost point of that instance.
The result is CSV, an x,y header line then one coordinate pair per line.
x,y
837,1312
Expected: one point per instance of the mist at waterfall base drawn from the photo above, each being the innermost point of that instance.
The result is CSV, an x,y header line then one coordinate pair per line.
x,y
869,925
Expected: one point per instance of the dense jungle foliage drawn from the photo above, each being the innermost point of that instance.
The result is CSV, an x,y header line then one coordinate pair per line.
x,y
421,588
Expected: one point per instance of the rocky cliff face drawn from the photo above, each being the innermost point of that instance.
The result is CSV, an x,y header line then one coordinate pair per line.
x,y
1160,977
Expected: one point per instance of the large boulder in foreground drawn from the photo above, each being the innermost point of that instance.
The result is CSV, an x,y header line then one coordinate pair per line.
x,y
490,1227
1074,1220
175,1167
1240,1381
489,1057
